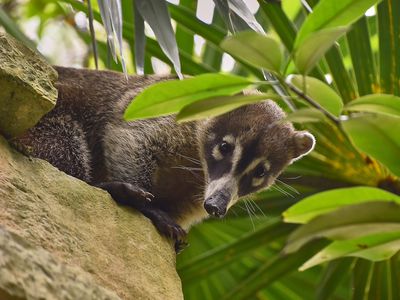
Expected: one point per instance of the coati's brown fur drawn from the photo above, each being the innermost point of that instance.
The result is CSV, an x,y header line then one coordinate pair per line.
x,y
168,171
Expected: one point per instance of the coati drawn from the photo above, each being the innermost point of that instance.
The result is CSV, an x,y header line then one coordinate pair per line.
x,y
175,174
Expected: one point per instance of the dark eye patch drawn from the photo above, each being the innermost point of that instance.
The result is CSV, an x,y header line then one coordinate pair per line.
x,y
249,153
225,148
260,171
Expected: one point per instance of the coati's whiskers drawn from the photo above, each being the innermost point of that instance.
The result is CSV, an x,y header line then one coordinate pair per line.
x,y
199,197
292,178
191,159
234,211
277,188
241,207
258,207
252,208
289,187
191,170
286,191
187,168
251,219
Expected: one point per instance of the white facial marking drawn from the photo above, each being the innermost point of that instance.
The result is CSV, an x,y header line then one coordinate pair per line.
x,y
237,153
225,182
228,181
256,181
255,163
216,153
229,139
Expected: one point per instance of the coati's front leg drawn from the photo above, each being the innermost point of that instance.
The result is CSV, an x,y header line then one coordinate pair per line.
x,y
166,226
127,194
131,195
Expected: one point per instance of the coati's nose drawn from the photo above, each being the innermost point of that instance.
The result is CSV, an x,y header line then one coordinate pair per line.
x,y
216,205
214,210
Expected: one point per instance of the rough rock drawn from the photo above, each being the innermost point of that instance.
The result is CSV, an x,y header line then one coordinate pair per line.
x,y
32,273
27,91
81,226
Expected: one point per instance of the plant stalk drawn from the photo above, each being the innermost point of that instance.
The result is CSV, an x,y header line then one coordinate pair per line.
x,y
311,101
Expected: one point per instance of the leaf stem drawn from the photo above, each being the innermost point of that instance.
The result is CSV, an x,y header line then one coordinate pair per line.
x,y
311,101
279,89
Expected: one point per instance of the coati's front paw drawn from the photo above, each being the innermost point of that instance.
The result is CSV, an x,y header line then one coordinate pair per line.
x,y
167,227
127,194
180,245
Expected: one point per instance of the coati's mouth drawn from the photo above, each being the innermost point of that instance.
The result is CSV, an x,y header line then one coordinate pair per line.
x,y
217,204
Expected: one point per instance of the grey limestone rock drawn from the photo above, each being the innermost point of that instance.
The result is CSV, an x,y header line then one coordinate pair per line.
x,y
27,91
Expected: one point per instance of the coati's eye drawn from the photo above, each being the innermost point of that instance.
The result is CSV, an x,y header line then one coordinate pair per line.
x,y
260,171
225,148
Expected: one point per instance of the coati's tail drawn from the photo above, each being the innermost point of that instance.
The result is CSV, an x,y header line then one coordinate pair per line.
x,y
61,141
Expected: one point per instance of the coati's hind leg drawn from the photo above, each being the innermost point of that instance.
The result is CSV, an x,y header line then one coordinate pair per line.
x,y
131,195
61,141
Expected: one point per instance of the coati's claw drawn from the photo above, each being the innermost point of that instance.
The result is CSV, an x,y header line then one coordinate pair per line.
x,y
146,195
127,194
167,226
180,245
174,231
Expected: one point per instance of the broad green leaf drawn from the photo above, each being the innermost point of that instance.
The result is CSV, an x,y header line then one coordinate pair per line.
x,y
375,247
340,74
284,27
282,24
319,92
306,115
256,49
311,50
378,136
324,202
331,14
348,222
217,106
171,96
376,103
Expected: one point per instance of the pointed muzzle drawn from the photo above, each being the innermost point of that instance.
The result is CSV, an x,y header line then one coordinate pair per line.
x,y
217,204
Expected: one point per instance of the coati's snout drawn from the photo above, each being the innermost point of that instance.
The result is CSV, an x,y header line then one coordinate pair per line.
x,y
245,150
217,204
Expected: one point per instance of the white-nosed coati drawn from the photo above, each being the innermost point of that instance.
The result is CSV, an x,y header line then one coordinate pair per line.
x,y
175,174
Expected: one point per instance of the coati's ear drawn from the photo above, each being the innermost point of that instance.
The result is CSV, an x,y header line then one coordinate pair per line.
x,y
304,143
